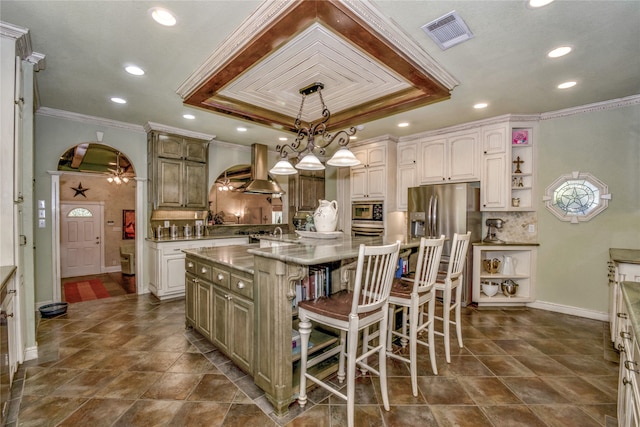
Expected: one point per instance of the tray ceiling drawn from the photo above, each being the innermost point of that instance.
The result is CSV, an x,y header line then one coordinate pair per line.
x,y
370,69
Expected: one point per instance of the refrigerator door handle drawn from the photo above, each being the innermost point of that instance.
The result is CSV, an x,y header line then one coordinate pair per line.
x,y
434,219
429,214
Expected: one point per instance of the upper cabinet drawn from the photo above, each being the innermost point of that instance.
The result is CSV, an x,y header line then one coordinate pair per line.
x,y
178,172
508,166
450,158
407,172
305,189
375,178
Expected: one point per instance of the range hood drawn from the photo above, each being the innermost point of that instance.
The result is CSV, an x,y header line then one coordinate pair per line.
x,y
260,182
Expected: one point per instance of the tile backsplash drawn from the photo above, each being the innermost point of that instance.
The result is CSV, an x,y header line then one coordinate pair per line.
x,y
515,227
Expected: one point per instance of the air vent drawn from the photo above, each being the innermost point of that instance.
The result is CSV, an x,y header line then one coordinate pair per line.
x,y
448,30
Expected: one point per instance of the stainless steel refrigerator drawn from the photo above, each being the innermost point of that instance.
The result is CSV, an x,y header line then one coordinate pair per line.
x,y
447,209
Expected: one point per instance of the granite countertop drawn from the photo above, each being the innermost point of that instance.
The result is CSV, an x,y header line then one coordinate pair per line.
x,y
631,296
505,244
310,251
235,256
194,238
629,256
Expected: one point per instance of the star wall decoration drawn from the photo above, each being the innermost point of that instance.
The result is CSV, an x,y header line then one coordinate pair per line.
x,y
80,190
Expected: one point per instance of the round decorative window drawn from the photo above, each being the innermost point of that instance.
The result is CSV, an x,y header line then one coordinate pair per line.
x,y
578,196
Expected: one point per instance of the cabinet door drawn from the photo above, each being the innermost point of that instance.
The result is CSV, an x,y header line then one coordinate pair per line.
x,y
173,274
362,155
195,150
241,325
433,161
308,196
358,182
154,259
195,183
204,319
377,182
190,300
169,147
494,139
169,183
463,157
220,331
376,156
407,154
494,189
406,179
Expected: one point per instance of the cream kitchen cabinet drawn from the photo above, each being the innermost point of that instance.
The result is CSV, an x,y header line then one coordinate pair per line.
x,y
407,172
523,258
629,369
178,172
451,157
375,178
166,263
624,265
495,184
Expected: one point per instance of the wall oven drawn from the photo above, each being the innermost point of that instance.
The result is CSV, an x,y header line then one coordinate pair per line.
x,y
367,218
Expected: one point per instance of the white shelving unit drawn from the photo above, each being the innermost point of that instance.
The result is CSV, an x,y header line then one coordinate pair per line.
x,y
524,260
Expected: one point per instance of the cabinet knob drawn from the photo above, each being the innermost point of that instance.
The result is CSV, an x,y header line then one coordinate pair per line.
x,y
240,284
7,315
220,276
203,270
622,315
194,280
625,381
621,348
625,335
190,265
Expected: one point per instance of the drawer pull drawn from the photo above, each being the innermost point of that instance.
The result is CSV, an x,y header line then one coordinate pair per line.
x,y
625,381
220,276
622,315
203,270
228,297
190,265
194,280
7,315
621,347
240,284
625,335
628,363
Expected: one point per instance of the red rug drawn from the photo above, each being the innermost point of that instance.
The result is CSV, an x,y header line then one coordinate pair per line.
x,y
84,290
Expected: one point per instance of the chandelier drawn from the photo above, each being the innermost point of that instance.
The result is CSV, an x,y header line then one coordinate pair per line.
x,y
225,184
117,174
342,158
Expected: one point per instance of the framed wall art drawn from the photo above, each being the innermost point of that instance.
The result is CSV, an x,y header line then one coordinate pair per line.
x,y
128,224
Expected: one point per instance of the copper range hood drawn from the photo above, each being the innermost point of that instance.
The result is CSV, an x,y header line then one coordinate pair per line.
x,y
260,183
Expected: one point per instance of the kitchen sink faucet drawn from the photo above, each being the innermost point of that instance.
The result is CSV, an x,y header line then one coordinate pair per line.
x,y
277,232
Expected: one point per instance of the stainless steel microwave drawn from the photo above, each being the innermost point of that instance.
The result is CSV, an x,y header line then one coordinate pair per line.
x,y
367,211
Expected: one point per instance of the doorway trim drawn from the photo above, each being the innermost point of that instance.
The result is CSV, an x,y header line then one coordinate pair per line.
x,y
56,282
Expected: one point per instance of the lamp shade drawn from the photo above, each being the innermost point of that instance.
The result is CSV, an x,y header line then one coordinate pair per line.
x,y
343,158
310,163
283,167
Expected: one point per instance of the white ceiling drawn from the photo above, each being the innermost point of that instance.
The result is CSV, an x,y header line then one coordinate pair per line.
x,y
87,44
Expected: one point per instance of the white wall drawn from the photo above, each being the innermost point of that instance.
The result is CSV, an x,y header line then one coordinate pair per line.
x,y
572,258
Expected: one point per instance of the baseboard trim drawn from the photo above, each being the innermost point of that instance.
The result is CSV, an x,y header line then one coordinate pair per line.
x,y
567,309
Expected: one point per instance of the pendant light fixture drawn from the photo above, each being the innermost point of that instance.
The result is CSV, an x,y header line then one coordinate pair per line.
x,y
316,137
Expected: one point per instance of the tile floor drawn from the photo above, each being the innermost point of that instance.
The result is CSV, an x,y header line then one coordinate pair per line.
x,y
128,361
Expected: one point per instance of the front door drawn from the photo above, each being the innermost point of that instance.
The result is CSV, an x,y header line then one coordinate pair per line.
x,y
80,243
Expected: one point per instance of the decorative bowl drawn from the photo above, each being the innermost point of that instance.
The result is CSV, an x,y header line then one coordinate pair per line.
x,y
490,288
509,288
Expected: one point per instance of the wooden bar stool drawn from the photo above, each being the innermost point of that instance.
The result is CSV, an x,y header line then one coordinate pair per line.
x,y
351,312
447,284
410,296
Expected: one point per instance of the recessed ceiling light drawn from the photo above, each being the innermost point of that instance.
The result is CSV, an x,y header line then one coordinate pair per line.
x,y
163,16
136,71
118,100
559,51
189,116
241,129
403,124
538,3
480,105
566,85
282,138
353,137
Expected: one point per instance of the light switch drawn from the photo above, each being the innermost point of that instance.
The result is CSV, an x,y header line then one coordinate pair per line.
x,y
42,213
42,223
532,228
41,204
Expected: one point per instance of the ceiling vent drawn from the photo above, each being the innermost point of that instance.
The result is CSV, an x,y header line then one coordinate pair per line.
x,y
448,30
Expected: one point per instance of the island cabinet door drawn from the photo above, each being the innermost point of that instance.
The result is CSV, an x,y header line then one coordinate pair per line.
x,y
241,340
220,330
191,286
204,318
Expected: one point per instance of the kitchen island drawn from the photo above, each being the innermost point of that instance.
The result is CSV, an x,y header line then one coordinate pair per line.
x,y
242,298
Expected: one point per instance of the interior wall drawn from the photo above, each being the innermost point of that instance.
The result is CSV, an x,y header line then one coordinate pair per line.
x,y
53,136
572,258
116,198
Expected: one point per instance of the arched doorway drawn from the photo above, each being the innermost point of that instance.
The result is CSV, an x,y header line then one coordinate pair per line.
x,y
98,179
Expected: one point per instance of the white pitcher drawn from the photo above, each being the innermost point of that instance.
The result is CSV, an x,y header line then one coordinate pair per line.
x,y
325,218
508,266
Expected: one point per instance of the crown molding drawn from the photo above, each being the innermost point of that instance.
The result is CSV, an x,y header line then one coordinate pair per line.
x,y
381,138
77,117
22,39
152,126
591,108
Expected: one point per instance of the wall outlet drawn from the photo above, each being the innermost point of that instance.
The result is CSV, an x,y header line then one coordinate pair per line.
x,y
166,223
198,222
532,228
42,223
